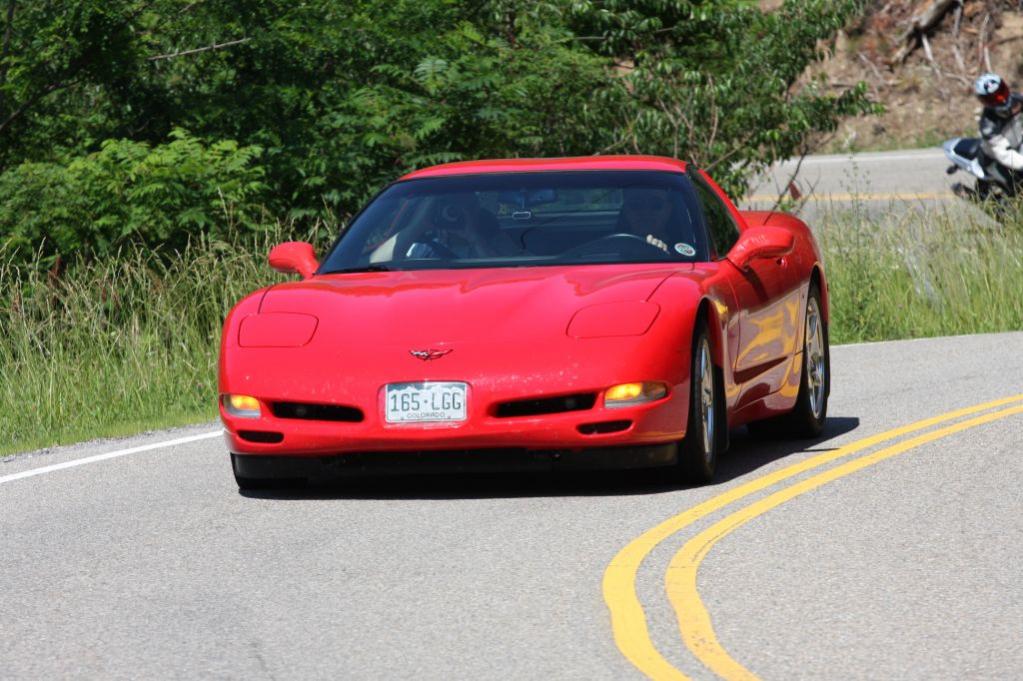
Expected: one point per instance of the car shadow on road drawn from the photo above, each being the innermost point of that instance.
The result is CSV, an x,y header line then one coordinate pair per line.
x,y
745,455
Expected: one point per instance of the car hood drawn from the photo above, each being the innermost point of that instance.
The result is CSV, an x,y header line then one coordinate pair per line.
x,y
435,307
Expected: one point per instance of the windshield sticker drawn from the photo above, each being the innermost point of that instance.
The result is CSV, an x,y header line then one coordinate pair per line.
x,y
685,249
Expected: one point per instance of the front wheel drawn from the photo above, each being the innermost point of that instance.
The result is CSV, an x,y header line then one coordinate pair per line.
x,y
247,483
983,190
698,452
265,484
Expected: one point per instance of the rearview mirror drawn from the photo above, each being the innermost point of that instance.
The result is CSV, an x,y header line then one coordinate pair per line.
x,y
761,242
526,199
294,257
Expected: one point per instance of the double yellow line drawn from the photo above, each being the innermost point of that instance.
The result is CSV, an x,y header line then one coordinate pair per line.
x,y
628,621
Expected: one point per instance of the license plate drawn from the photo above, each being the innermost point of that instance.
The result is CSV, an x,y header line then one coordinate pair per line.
x,y
434,402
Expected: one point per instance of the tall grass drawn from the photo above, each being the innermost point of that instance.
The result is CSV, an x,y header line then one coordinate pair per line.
x,y
117,346
131,343
919,273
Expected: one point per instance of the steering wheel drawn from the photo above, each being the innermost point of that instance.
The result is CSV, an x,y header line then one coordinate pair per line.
x,y
626,239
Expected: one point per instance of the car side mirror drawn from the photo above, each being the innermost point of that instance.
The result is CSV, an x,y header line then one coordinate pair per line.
x,y
761,242
294,257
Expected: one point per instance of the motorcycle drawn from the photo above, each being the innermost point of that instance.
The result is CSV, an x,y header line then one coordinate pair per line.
x,y
992,181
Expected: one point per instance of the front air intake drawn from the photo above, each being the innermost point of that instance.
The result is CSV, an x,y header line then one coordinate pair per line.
x,y
261,436
604,427
315,412
546,405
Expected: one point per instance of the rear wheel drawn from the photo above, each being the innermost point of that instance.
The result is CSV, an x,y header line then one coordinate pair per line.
x,y
812,405
698,452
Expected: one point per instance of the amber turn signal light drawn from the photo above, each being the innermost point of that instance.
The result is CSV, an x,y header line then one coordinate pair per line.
x,y
631,394
242,406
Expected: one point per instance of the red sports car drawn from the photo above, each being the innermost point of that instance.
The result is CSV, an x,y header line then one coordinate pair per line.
x,y
609,312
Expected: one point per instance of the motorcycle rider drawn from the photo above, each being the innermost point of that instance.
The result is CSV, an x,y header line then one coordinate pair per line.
x,y
1001,128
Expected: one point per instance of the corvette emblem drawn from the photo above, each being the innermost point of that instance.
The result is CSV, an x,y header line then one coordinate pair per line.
x,y
427,355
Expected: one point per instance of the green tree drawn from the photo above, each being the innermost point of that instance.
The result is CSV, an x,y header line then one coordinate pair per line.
x,y
345,96
342,97
718,81
129,192
60,62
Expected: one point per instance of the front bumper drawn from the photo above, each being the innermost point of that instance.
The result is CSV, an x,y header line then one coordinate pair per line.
x,y
658,423
369,464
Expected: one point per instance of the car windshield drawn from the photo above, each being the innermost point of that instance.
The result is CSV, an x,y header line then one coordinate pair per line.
x,y
525,219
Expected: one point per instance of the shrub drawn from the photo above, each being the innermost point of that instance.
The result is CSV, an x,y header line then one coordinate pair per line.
x,y
158,197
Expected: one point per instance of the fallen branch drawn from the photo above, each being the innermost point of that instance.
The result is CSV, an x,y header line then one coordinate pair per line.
x,y
921,23
1002,41
208,48
880,79
983,54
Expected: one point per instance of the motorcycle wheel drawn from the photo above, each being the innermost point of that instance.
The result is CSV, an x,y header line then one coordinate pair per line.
x,y
983,190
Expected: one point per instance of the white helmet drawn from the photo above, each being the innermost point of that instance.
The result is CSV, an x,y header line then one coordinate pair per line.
x,y
993,92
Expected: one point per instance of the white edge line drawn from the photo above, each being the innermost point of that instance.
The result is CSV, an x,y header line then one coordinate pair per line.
x,y
108,455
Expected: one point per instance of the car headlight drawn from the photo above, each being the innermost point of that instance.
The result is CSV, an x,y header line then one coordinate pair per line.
x,y
242,406
276,330
631,394
613,320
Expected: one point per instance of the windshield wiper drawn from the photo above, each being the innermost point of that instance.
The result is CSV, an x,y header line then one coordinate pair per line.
x,y
364,268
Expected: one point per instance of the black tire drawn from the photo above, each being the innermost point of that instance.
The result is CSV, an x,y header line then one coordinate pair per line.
x,y
267,478
698,452
807,418
263,484
983,191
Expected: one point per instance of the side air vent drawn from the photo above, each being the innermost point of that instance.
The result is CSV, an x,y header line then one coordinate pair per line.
x,y
604,427
315,412
547,405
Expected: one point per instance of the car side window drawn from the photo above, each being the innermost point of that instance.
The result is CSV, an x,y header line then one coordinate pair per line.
x,y
721,227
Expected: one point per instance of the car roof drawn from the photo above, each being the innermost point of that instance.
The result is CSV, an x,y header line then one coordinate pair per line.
x,y
527,165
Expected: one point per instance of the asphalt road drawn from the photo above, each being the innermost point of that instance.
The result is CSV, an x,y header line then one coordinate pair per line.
x,y
883,177
879,183
151,565
913,175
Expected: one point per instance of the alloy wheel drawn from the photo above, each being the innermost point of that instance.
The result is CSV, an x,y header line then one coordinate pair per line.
x,y
705,393
816,367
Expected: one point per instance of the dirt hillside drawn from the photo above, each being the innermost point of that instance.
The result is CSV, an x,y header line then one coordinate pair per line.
x,y
919,58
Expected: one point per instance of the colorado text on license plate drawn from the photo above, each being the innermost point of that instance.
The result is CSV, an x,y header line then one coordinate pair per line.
x,y
425,402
